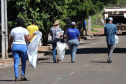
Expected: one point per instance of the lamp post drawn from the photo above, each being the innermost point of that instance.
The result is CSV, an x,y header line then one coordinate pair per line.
x,y
4,29
89,24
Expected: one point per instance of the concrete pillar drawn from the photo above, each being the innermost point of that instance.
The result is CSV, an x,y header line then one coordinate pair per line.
x,y
89,24
4,29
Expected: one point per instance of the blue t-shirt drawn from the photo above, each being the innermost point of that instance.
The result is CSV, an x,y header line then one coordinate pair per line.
x,y
110,30
85,23
73,33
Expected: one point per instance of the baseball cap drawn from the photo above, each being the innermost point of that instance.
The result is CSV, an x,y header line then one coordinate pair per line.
x,y
110,18
73,23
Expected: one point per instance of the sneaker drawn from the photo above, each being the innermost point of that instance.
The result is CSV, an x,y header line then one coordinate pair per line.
x,y
109,61
73,61
54,61
16,79
23,77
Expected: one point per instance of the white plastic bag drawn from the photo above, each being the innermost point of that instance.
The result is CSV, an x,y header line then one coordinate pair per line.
x,y
116,39
58,34
61,47
33,50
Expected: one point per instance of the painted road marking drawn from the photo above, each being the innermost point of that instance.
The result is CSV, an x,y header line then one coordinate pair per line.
x,y
96,59
72,73
55,82
103,55
86,65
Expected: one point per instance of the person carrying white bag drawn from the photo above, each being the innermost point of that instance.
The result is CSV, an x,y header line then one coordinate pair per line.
x,y
56,34
33,49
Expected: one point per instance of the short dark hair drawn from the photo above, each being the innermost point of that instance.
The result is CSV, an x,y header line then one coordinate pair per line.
x,y
33,21
20,22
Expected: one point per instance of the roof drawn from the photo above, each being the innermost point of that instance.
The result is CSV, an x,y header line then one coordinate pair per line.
x,y
110,9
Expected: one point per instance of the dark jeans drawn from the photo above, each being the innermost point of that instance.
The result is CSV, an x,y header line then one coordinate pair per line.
x,y
54,50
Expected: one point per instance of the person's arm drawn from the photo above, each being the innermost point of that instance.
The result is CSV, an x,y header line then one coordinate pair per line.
x,y
10,42
50,32
78,38
27,38
60,33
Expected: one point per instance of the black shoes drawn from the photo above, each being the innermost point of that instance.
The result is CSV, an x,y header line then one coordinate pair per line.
x,y
109,61
73,61
23,78
16,79
54,61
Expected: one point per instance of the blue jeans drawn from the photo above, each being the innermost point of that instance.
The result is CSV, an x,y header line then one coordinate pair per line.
x,y
73,44
19,50
54,51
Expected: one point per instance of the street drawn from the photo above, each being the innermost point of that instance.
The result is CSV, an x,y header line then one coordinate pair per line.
x,y
91,66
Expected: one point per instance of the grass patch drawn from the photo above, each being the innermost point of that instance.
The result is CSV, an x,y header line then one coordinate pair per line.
x,y
97,26
92,30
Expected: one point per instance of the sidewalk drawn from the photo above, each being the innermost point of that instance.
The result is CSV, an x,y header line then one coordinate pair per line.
x,y
9,62
42,52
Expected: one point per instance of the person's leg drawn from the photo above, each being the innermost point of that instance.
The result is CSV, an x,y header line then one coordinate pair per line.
x,y
16,59
108,46
85,31
54,51
70,47
112,47
23,54
75,45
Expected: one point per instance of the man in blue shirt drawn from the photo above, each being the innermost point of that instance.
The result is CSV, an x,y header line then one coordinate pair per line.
x,y
84,27
110,30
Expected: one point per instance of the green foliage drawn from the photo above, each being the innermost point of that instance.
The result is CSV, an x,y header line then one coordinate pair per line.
x,y
47,11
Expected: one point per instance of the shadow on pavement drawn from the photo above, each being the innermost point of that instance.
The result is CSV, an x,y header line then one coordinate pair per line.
x,y
11,80
96,50
7,80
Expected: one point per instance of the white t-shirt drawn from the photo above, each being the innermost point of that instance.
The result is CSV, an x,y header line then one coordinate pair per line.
x,y
18,34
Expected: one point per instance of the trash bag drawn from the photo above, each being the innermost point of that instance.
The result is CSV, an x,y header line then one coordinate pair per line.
x,y
116,39
33,50
61,47
58,35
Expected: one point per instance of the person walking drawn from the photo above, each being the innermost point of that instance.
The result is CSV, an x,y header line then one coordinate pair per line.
x,y
18,37
53,32
73,38
84,27
32,28
110,30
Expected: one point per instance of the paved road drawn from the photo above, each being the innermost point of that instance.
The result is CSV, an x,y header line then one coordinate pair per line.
x,y
90,66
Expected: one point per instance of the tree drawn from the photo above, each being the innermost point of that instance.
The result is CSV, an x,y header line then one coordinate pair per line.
x,y
47,11
44,11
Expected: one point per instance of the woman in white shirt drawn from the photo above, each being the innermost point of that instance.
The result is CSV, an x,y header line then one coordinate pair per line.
x,y
19,49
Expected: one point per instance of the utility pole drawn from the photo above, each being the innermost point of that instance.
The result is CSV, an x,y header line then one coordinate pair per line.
x,y
4,29
89,24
